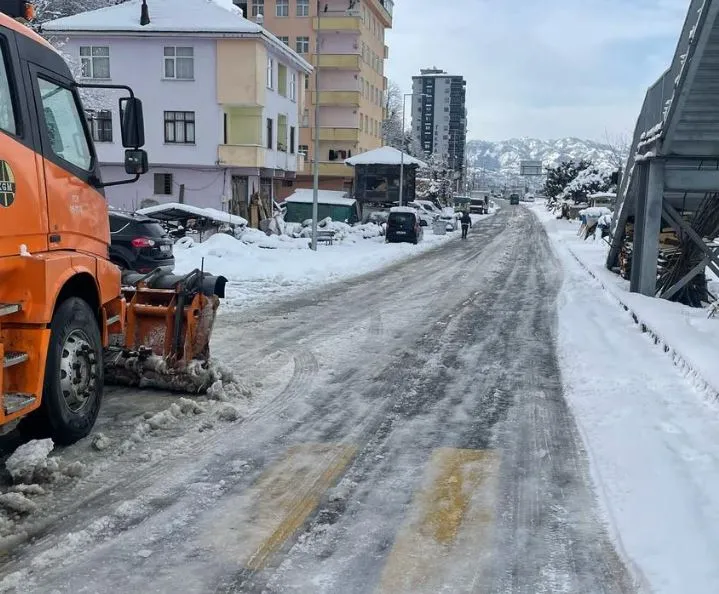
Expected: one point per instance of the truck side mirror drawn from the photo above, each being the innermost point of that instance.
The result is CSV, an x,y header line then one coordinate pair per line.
x,y
132,123
136,162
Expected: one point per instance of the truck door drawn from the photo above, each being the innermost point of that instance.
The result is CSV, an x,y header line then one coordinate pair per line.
x,y
77,211
23,214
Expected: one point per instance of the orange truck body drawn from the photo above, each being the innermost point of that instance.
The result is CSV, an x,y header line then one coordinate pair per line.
x,y
54,233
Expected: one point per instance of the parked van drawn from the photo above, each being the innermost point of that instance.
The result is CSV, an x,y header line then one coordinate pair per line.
x,y
514,198
404,224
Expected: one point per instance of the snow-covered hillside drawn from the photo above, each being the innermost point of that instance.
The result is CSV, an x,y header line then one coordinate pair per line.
x,y
499,161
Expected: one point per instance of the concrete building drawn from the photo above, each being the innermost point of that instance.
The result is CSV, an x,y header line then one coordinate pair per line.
x,y
439,115
351,77
222,99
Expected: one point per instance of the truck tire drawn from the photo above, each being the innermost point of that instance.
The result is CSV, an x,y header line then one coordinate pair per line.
x,y
73,374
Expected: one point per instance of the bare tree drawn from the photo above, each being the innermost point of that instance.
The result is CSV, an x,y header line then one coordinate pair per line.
x,y
47,10
618,145
392,132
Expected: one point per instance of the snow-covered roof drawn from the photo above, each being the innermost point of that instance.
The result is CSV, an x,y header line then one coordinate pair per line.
x,y
603,195
407,209
220,17
385,155
169,210
333,197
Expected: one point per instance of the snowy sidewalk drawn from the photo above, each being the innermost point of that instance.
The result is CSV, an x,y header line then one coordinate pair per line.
x,y
687,333
652,439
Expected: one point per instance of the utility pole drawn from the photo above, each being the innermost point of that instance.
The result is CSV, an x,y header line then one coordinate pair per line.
x,y
316,160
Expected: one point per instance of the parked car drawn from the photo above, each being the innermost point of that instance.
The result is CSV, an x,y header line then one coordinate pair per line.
x,y
425,213
404,224
430,207
514,198
139,243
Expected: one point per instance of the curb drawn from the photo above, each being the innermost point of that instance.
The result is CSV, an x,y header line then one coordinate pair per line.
x,y
678,360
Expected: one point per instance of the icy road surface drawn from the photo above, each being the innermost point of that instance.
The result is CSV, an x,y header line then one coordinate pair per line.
x,y
408,433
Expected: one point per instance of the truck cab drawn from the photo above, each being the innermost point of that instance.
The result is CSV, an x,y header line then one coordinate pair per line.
x,y
54,230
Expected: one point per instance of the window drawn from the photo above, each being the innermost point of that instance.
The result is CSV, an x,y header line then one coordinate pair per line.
x,y
163,184
95,61
282,79
303,8
64,125
258,7
282,133
284,39
180,63
270,73
7,111
282,8
180,127
293,86
270,123
292,140
303,149
303,45
100,125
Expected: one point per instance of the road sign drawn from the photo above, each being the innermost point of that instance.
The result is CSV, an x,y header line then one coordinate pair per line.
x,y
531,168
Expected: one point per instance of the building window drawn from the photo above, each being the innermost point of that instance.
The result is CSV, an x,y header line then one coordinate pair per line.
x,y
270,73
100,125
180,63
303,149
303,8
95,61
270,125
258,7
284,39
282,80
180,127
163,184
293,86
282,8
303,45
292,140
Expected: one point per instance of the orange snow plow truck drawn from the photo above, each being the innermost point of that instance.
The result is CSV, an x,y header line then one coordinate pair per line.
x,y
69,319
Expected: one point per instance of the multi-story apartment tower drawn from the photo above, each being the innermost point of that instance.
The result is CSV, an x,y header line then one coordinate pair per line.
x,y
439,115
351,77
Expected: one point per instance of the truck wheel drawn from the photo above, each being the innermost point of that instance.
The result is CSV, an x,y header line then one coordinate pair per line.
x,y
73,374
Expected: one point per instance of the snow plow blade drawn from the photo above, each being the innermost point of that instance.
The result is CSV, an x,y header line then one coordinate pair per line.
x,y
168,324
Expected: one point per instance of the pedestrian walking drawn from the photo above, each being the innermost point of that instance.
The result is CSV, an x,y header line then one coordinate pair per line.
x,y
466,224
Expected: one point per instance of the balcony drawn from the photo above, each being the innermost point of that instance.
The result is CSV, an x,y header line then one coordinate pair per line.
x,y
351,98
385,9
338,23
338,61
236,155
338,134
330,169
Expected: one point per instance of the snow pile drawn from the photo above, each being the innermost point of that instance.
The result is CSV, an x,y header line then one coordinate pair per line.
x,y
30,462
255,272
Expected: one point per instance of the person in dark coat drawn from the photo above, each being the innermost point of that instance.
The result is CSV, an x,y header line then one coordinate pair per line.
x,y
466,221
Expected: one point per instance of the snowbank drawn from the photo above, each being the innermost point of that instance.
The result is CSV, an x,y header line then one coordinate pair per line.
x,y
254,272
652,440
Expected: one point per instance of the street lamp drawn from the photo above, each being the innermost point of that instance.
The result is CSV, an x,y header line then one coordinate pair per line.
x,y
316,149
401,158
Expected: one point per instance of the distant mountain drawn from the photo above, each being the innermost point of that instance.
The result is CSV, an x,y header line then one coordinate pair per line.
x,y
497,163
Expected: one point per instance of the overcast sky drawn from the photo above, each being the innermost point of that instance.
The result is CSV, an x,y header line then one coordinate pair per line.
x,y
540,68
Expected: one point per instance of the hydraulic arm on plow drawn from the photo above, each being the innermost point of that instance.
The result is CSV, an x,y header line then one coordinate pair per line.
x,y
68,321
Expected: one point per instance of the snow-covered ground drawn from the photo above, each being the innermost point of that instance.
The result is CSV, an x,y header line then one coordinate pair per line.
x,y
651,428
262,267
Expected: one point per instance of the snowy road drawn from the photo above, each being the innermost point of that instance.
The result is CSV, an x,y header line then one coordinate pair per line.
x,y
408,434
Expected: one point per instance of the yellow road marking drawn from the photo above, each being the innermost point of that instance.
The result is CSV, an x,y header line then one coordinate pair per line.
x,y
255,524
448,528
